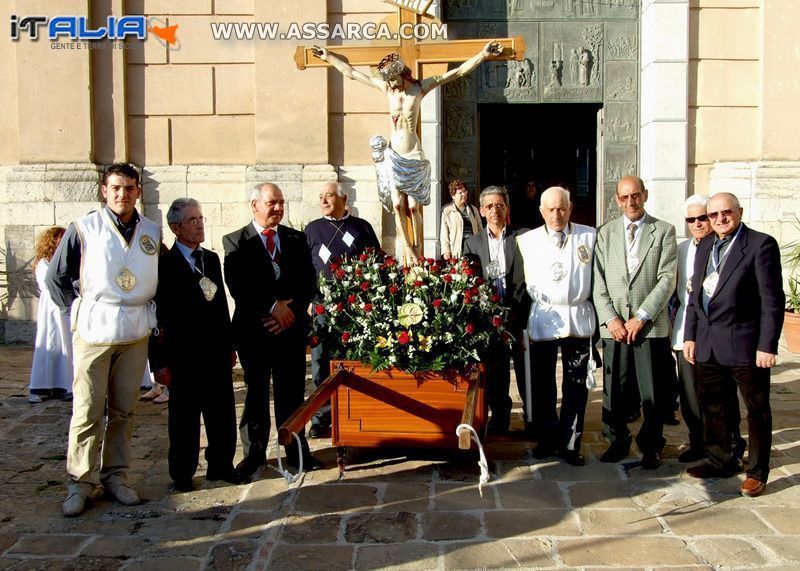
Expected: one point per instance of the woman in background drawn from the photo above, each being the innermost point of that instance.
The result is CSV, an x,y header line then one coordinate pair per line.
x,y
459,221
51,371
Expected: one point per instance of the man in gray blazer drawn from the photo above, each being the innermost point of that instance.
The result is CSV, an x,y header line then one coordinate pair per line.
x,y
634,276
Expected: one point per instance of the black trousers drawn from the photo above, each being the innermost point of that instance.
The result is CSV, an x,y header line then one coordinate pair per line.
x,y
649,364
282,361
690,406
716,390
498,381
192,395
559,431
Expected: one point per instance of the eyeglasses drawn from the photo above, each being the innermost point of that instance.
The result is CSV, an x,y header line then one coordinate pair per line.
x,y
195,221
723,213
701,218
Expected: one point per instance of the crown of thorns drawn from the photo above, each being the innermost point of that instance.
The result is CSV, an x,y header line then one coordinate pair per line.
x,y
392,66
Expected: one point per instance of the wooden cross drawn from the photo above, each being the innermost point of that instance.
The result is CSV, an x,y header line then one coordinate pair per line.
x,y
414,54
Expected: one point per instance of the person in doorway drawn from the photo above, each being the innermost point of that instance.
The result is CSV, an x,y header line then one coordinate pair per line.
x,y
460,220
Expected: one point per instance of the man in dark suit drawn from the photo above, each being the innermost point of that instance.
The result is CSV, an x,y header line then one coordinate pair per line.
x,y
193,352
269,274
733,322
494,249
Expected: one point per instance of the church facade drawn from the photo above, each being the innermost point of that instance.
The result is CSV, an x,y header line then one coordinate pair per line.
x,y
692,95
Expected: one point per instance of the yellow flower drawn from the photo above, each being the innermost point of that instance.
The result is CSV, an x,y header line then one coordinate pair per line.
x,y
425,343
381,342
409,314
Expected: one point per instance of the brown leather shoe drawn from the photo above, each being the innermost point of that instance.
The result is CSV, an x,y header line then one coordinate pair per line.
x,y
752,487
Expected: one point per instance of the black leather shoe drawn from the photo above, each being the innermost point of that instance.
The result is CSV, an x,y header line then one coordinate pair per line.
x,y
309,463
497,428
633,416
319,431
183,486
573,458
250,464
651,460
615,453
672,419
707,470
543,451
691,455
234,477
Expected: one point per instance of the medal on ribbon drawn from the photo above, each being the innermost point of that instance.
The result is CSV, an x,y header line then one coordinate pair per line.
x,y
710,283
209,288
559,271
583,254
494,270
277,269
148,245
689,286
126,280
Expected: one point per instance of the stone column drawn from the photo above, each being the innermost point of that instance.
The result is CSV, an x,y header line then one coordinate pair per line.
x,y
664,108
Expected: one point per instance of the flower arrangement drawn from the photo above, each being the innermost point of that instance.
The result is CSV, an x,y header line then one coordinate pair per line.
x,y
428,317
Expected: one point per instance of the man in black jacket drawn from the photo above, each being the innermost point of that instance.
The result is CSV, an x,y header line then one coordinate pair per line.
x,y
193,352
733,323
494,249
269,274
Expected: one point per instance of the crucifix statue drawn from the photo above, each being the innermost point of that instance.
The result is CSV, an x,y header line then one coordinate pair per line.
x,y
403,173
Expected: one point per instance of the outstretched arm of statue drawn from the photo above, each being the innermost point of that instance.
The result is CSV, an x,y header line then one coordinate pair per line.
x,y
345,68
492,48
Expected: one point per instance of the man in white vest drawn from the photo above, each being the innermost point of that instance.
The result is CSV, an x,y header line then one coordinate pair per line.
x,y
557,265
105,271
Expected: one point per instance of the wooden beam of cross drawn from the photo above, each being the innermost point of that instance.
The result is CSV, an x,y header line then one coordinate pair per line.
x,y
415,54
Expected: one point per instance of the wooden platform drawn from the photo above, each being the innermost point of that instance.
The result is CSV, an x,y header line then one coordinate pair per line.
x,y
392,408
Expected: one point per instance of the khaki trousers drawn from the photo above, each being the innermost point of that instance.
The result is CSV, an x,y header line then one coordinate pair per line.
x,y
111,373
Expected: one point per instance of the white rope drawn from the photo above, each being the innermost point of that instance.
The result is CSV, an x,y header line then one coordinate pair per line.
x,y
591,367
482,463
288,476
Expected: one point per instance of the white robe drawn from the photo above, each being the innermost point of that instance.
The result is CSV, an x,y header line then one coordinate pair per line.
x,y
686,254
560,308
52,354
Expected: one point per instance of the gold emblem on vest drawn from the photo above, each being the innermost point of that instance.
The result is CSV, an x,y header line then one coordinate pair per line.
x,y
126,280
583,254
209,288
148,245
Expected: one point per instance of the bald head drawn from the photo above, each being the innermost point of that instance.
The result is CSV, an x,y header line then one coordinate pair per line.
x,y
725,214
555,208
630,197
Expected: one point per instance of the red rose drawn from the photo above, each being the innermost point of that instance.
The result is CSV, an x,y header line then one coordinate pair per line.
x,y
467,298
437,303
435,269
453,271
448,278
403,338
313,340
474,291
334,266
340,306
320,310
364,286
359,272
406,270
497,321
340,274
351,299
418,283
480,281
495,298
363,258
505,337
393,289
469,272
470,329
345,337
367,307
390,262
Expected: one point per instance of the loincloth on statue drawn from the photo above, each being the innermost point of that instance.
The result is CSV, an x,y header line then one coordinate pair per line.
x,y
409,176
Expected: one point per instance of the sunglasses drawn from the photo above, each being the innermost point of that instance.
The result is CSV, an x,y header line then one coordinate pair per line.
x,y
701,218
724,213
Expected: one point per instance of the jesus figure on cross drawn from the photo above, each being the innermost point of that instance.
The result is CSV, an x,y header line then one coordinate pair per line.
x,y
404,175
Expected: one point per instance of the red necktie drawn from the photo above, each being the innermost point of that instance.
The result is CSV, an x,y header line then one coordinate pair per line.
x,y
271,247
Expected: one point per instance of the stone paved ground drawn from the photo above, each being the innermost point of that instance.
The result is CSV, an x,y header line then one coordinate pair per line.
x,y
396,509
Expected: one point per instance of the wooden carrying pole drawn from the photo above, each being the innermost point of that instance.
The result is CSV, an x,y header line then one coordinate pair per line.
x,y
313,403
468,417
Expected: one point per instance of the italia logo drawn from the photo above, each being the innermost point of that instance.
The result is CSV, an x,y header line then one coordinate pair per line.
x,y
79,28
